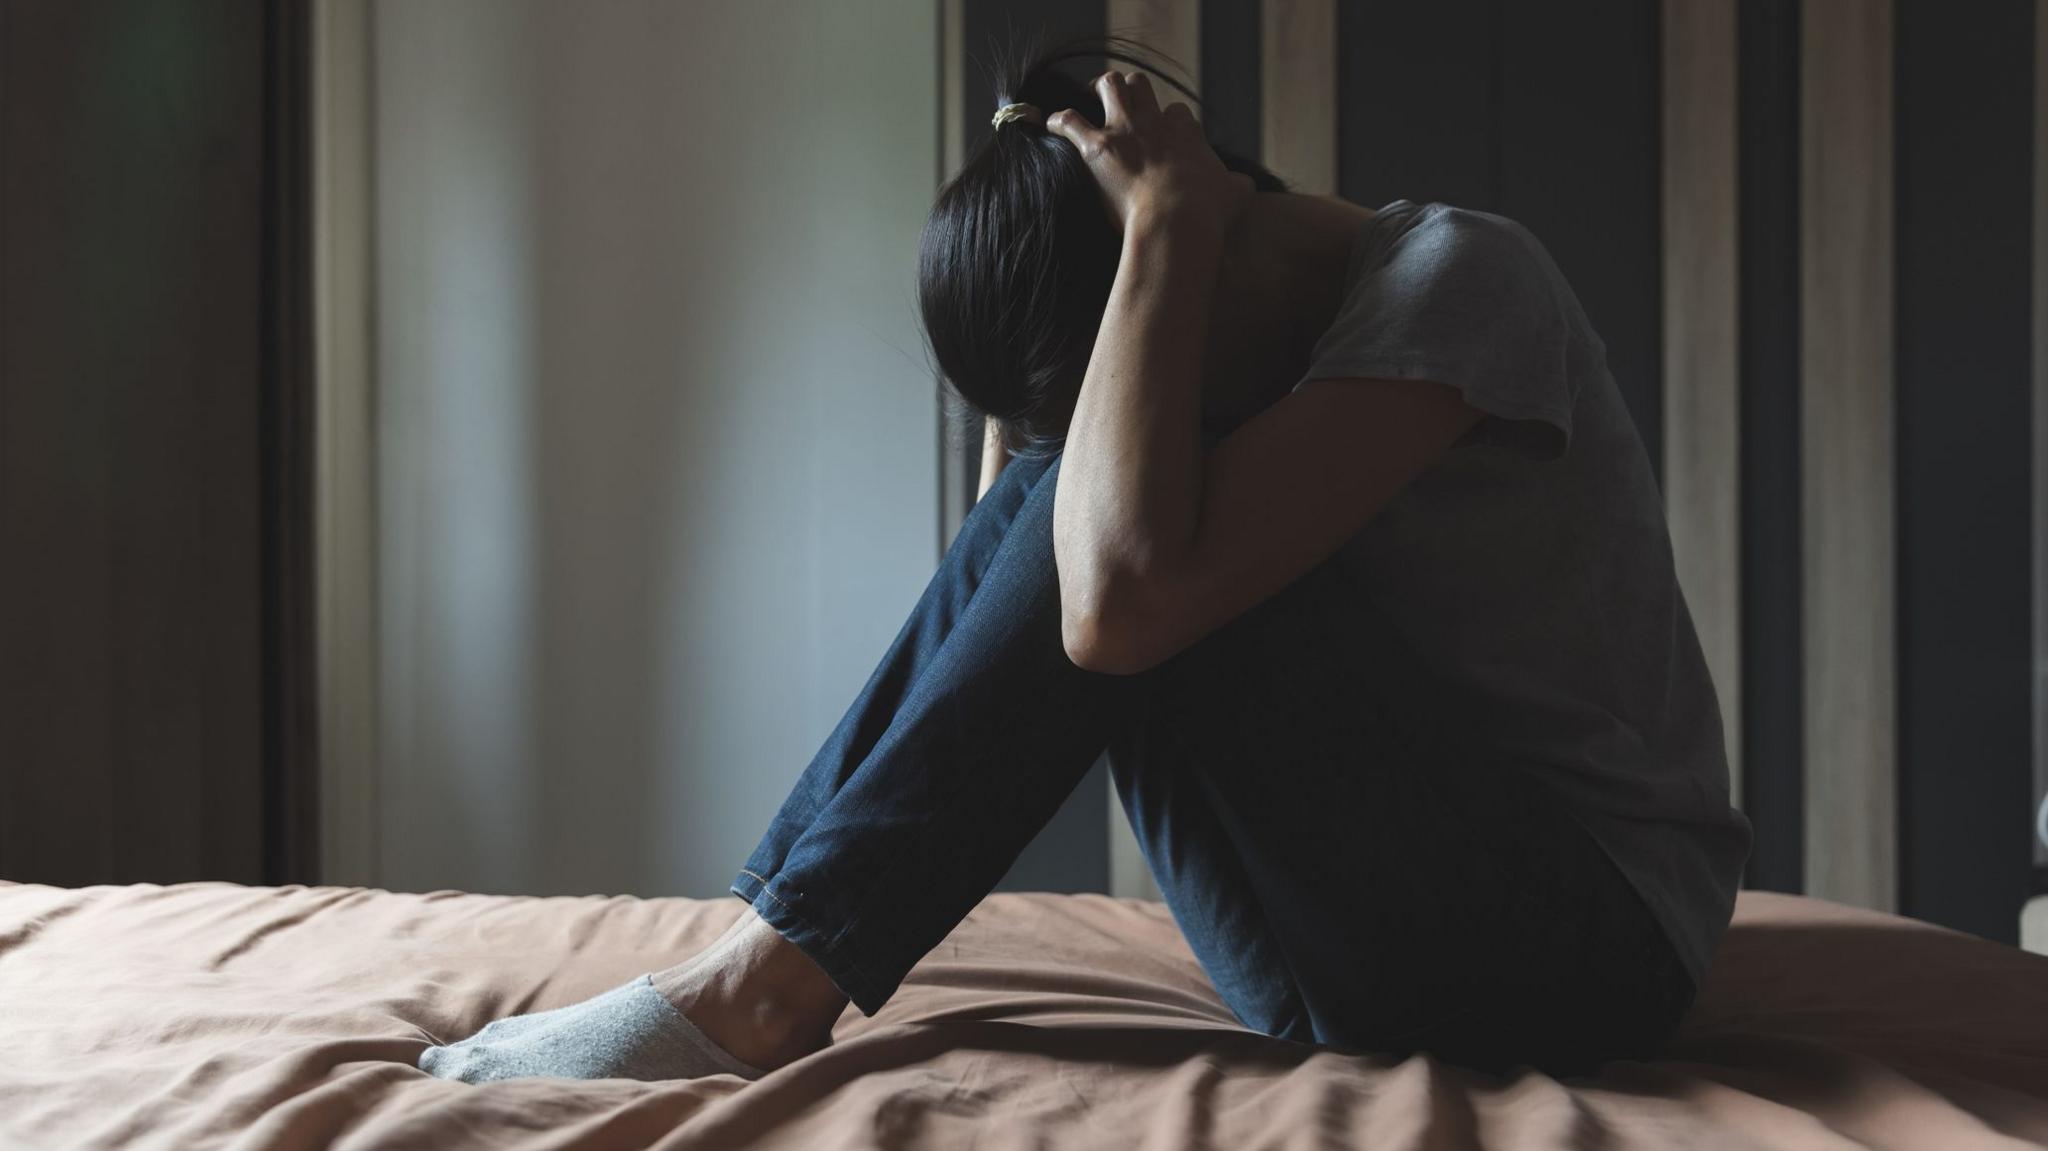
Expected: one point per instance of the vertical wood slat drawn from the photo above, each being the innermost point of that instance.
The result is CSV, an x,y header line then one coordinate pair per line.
x,y
1701,385
1171,28
1963,439
287,453
1298,92
955,469
1573,109
2041,451
1229,72
1767,298
1174,29
345,529
1846,299
952,89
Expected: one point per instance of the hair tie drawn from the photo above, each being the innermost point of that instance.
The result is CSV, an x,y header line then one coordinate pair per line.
x,y
1026,112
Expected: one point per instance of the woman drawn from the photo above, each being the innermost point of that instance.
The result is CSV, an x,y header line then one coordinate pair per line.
x,y
1331,526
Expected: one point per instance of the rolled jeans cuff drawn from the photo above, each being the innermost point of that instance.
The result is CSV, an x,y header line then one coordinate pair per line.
x,y
825,945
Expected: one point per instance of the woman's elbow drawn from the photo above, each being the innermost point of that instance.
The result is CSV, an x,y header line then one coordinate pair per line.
x,y
1109,639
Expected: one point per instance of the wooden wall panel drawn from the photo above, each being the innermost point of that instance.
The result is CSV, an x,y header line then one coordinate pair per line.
x,y
2040,381
958,463
952,88
1767,169
1847,441
1231,74
1435,62
1702,494
345,506
1577,139
286,451
1171,28
1298,92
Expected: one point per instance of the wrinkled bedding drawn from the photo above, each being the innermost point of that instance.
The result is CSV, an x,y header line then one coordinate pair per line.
x,y
210,1015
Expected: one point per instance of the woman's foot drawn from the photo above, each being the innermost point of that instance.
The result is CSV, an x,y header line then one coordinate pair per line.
x,y
748,1004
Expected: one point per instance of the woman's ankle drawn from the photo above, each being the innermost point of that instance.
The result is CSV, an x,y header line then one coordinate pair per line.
x,y
756,995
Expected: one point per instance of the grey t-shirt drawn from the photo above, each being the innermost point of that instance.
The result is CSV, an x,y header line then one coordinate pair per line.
x,y
1529,569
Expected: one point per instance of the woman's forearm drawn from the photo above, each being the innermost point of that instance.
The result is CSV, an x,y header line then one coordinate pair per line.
x,y
1129,497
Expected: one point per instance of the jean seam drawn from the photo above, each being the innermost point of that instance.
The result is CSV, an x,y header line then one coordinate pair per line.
x,y
838,940
766,889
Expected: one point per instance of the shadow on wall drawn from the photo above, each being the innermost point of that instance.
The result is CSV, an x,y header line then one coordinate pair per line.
x,y
657,461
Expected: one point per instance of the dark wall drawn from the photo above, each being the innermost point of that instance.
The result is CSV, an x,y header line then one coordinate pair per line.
x,y
140,416
1965,157
1767,176
1547,113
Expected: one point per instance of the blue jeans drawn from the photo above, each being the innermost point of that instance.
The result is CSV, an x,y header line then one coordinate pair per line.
x,y
1346,872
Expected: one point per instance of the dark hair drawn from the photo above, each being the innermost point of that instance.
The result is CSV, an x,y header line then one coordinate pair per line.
x,y
1017,258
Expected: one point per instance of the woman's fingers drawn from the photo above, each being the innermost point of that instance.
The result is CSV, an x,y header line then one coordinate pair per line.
x,y
1128,108
1143,155
1109,88
1139,103
1127,101
1085,137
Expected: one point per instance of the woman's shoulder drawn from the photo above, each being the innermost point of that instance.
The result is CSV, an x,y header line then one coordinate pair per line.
x,y
1448,232
1444,255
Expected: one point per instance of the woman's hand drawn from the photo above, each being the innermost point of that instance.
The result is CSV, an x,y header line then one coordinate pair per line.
x,y
1157,541
1154,165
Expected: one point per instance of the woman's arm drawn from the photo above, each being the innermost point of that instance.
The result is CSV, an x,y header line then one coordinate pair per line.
x,y
1157,543
993,456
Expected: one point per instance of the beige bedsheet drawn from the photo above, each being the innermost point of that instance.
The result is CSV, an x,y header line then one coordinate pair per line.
x,y
210,1015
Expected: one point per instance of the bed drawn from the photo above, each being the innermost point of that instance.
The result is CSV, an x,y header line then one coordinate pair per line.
x,y
212,1015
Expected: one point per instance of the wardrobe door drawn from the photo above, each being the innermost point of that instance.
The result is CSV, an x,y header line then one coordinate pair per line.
x,y
144,155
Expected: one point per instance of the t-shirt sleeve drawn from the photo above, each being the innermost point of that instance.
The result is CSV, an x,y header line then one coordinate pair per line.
x,y
1467,299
